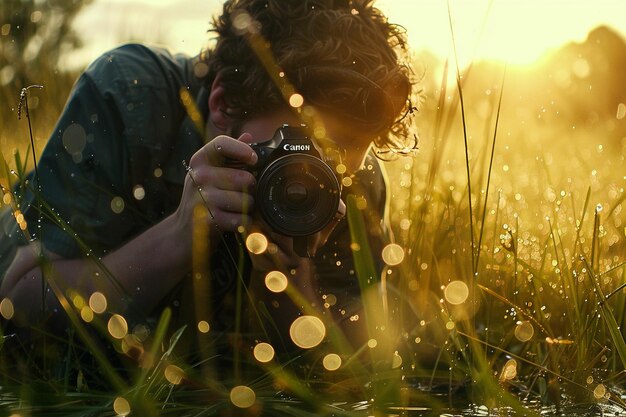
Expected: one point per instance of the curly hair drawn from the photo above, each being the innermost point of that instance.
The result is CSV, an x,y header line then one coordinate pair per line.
x,y
340,55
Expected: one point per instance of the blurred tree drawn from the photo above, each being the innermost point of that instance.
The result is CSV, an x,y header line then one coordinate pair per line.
x,y
34,34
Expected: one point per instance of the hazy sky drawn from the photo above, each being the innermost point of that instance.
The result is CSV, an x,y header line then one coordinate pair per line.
x,y
518,31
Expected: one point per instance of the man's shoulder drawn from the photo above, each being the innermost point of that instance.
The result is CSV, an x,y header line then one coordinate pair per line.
x,y
141,65
372,173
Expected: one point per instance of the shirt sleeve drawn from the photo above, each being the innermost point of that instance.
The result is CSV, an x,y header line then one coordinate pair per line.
x,y
120,117
76,200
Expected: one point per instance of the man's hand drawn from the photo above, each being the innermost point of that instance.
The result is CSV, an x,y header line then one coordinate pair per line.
x,y
212,182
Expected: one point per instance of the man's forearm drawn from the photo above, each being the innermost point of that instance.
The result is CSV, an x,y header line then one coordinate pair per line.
x,y
141,272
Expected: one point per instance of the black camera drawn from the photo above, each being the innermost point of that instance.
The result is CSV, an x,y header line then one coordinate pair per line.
x,y
297,192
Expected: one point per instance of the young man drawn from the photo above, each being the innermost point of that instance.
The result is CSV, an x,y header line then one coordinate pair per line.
x,y
126,179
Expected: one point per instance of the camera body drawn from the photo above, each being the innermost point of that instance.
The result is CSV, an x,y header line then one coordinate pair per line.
x,y
297,192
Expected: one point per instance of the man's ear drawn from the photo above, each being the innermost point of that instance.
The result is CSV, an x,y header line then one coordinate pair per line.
x,y
218,109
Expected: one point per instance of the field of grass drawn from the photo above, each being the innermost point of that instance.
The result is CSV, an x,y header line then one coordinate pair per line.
x,y
505,292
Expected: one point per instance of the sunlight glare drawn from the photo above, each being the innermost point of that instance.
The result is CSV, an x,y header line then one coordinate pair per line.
x,y
492,30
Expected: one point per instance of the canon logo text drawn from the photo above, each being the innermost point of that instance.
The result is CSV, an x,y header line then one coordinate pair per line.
x,y
292,148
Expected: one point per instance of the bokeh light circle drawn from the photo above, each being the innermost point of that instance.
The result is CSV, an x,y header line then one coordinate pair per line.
x,y
276,281
393,254
98,302
307,331
242,396
174,374
117,326
331,362
263,352
456,292
256,243
121,406
524,331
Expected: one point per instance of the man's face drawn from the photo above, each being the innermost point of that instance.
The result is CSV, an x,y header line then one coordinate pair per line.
x,y
351,143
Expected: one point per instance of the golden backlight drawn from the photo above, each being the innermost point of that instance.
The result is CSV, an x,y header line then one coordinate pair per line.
x,y
518,32
513,30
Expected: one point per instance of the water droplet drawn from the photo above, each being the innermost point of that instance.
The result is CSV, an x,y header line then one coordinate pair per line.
x,y
524,331
599,391
174,374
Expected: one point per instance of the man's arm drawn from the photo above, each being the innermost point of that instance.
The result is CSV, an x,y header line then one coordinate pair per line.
x,y
150,265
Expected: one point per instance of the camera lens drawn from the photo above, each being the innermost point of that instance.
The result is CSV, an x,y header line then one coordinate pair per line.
x,y
297,194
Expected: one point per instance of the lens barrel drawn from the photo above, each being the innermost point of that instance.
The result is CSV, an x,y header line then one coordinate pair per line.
x,y
297,194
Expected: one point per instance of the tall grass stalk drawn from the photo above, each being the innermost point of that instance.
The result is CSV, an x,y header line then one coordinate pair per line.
x,y
466,147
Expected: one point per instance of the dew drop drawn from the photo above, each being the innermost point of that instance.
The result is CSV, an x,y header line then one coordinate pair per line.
x,y
174,374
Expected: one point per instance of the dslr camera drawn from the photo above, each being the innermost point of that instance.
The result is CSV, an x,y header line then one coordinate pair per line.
x,y
297,192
